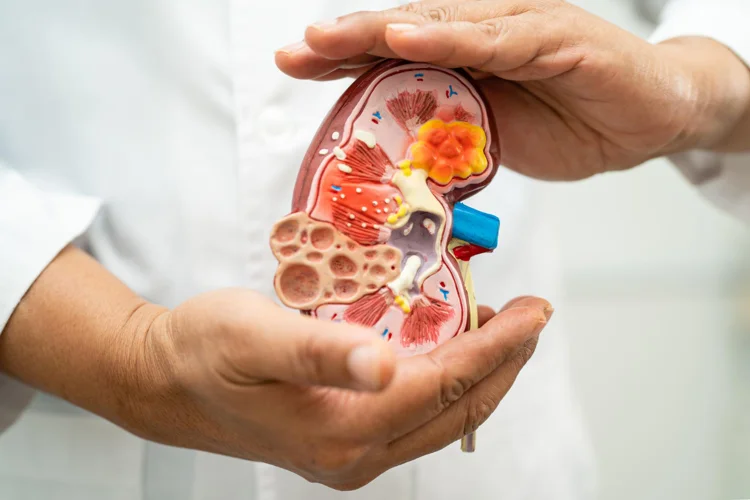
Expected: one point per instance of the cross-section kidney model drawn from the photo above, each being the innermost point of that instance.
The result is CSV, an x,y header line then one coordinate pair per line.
x,y
377,235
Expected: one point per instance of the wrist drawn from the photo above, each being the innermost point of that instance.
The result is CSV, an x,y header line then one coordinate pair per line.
x,y
713,85
79,334
143,375
156,380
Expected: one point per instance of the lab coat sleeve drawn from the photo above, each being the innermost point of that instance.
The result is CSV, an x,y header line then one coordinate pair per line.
x,y
34,226
722,178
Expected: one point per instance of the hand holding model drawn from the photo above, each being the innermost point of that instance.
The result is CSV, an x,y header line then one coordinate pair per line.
x,y
572,94
232,373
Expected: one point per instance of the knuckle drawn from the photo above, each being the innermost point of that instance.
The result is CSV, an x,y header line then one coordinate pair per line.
x,y
351,485
451,391
495,31
525,352
477,413
311,357
412,8
548,5
431,13
333,462
493,28
451,387
440,14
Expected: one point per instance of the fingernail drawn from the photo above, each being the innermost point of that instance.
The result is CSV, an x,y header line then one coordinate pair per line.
x,y
291,49
548,311
324,25
401,27
363,363
540,327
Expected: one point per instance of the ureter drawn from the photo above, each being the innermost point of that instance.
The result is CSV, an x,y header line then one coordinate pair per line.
x,y
419,198
465,270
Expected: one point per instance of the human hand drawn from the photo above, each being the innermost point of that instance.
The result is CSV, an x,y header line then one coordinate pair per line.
x,y
572,94
230,372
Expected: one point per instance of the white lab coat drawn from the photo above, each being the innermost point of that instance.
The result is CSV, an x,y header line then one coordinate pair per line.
x,y
160,134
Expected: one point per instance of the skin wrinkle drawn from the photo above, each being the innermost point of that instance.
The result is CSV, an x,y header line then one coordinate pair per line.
x,y
680,91
492,28
703,90
498,28
540,46
558,50
133,375
438,14
451,388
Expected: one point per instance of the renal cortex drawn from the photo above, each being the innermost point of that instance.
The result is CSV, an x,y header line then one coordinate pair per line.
x,y
377,236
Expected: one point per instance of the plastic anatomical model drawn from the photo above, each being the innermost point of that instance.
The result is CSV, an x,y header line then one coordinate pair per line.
x,y
377,236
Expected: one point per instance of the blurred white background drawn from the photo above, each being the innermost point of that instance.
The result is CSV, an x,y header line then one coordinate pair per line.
x,y
652,306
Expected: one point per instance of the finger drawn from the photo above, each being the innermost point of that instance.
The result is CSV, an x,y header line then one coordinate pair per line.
x,y
344,73
426,385
526,46
515,301
484,313
285,346
478,75
493,46
299,61
464,416
530,301
364,32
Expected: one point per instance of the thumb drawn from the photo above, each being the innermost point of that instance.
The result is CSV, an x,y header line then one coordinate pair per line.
x,y
303,350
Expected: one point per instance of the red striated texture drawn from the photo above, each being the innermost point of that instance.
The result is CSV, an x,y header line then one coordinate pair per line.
x,y
412,109
369,309
367,164
424,322
461,115
360,229
360,212
358,205
365,201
